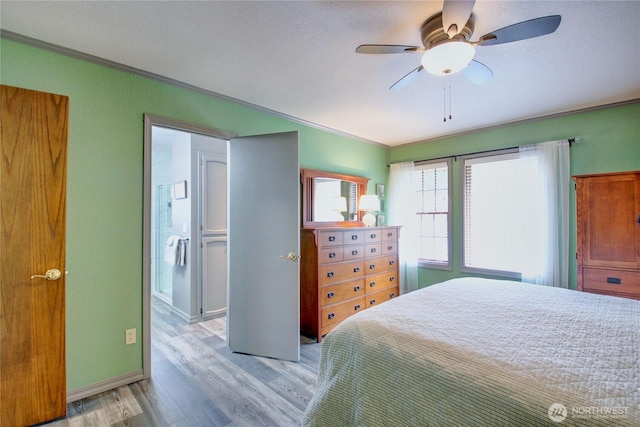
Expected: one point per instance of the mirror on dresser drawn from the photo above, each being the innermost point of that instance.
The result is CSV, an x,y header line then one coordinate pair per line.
x,y
331,199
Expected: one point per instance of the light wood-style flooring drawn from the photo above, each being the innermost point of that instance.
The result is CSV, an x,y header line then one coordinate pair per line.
x,y
197,381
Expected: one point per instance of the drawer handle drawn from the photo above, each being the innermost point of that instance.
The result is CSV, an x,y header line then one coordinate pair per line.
x,y
392,278
392,262
389,234
332,255
330,274
372,266
372,284
332,238
354,237
331,295
390,248
357,269
373,235
392,295
372,302
357,307
373,250
354,252
331,315
356,288
614,280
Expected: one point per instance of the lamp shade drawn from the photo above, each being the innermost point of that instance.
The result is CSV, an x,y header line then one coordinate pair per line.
x,y
339,204
369,203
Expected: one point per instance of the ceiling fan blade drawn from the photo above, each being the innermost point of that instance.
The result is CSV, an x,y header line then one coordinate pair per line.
x,y
522,30
407,79
386,48
455,14
477,72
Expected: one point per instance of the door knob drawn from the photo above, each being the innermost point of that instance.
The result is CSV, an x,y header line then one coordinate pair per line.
x,y
51,274
291,257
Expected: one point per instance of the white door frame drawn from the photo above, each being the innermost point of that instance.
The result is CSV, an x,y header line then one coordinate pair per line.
x,y
151,120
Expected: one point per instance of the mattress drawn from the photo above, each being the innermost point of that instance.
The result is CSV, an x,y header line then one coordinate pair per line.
x,y
478,352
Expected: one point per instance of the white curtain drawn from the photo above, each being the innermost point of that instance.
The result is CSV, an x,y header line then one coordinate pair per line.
x,y
550,237
400,213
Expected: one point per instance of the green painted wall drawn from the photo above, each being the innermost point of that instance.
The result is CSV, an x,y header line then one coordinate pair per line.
x,y
610,142
104,193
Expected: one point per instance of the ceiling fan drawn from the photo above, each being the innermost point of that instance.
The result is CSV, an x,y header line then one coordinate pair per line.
x,y
448,48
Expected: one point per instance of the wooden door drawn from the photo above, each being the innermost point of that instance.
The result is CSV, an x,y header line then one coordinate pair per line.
x,y
32,213
610,206
264,227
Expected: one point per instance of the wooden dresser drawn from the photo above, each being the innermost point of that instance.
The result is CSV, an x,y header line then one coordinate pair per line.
x,y
608,233
344,271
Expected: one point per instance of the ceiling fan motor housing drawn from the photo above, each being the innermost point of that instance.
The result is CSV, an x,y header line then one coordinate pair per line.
x,y
433,34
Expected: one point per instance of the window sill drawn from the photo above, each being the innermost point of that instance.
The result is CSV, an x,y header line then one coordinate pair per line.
x,y
493,273
434,266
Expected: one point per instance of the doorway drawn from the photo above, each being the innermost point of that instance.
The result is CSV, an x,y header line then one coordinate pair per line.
x,y
263,287
178,156
189,223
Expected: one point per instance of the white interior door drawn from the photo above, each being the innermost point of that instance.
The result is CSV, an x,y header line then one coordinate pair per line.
x,y
213,234
263,316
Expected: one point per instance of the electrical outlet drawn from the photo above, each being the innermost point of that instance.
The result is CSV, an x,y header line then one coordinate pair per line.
x,y
130,336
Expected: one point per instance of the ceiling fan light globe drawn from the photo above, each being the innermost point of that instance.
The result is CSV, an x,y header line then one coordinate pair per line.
x,y
448,58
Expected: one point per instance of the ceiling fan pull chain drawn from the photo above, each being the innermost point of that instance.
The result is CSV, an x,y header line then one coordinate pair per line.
x,y
449,97
444,101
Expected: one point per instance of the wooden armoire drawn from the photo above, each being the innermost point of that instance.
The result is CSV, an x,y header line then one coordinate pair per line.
x,y
608,233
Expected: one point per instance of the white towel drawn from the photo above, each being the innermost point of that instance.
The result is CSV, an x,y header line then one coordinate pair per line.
x,y
171,249
182,252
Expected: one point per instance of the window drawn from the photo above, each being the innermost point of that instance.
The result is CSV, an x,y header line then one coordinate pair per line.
x,y
501,215
431,190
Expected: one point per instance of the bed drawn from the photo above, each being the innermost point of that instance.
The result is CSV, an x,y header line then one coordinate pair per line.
x,y
478,352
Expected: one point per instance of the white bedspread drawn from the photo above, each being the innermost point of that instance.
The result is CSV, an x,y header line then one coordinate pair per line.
x,y
477,352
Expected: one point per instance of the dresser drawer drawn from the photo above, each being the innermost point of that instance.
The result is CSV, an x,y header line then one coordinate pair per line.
x,y
352,237
353,252
380,264
340,272
336,313
373,249
615,281
329,238
373,236
389,247
381,281
330,254
379,297
332,294
389,234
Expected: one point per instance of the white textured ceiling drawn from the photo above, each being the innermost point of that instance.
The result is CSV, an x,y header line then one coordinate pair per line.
x,y
296,58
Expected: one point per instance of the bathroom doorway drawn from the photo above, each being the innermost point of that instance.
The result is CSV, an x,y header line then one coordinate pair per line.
x,y
265,162
181,194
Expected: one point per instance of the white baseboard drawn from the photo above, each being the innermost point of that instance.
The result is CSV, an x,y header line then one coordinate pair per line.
x,y
184,316
102,386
